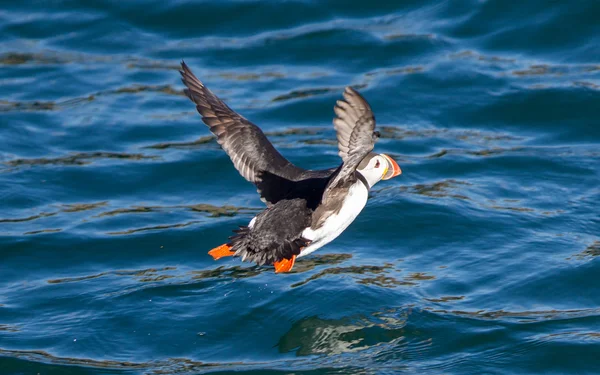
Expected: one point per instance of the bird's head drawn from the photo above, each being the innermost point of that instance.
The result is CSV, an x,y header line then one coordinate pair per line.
x,y
376,167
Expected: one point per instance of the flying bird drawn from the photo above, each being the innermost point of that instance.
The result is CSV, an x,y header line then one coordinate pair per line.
x,y
306,209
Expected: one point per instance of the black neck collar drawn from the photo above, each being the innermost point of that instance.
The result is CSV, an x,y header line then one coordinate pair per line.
x,y
362,179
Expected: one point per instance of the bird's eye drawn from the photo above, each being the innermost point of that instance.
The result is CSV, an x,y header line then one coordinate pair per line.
x,y
377,164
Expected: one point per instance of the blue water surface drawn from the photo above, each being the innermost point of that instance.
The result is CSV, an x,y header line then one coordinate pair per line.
x,y
482,258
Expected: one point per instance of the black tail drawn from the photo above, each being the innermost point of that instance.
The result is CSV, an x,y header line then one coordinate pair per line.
x,y
253,247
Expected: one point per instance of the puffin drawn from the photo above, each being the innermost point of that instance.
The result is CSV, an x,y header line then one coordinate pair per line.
x,y
305,209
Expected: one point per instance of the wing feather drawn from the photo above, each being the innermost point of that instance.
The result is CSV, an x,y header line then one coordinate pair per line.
x,y
249,149
355,128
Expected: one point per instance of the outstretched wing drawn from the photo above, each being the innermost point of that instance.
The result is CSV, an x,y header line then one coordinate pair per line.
x,y
249,149
353,113
355,127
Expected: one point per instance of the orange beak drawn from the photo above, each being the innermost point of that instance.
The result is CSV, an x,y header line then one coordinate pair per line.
x,y
393,168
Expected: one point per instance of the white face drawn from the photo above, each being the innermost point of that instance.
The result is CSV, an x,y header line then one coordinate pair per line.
x,y
376,168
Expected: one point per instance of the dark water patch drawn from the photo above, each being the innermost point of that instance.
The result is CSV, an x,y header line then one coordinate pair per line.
x,y
592,68
579,337
9,328
384,281
400,36
6,106
314,260
62,58
538,70
511,208
537,76
533,316
467,135
130,210
445,299
154,228
78,207
319,142
468,191
325,33
297,131
438,154
153,279
590,252
184,145
419,276
212,210
76,279
438,189
135,89
234,76
469,54
65,208
218,211
349,270
397,71
42,231
506,206
557,70
29,106
588,85
39,359
18,58
49,57
29,218
152,65
479,153
296,94
172,116
235,272
493,152
41,356
139,275
34,106
81,158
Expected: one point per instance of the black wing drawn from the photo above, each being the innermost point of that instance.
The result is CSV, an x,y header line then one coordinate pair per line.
x,y
247,146
355,127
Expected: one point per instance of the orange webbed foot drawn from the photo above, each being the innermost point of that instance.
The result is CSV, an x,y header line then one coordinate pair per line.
x,y
221,251
284,265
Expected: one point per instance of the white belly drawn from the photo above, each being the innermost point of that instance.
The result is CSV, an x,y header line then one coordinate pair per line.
x,y
335,224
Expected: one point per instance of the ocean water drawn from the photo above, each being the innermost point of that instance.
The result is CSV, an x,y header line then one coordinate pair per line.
x,y
482,258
